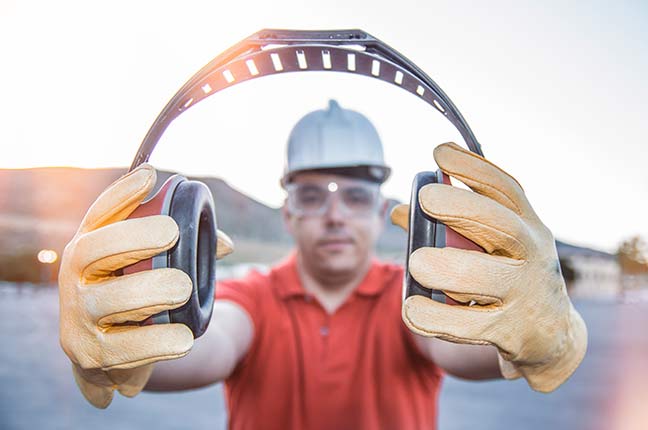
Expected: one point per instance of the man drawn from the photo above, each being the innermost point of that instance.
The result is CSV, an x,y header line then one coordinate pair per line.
x,y
318,342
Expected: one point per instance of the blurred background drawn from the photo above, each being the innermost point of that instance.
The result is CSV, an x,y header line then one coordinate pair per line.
x,y
554,92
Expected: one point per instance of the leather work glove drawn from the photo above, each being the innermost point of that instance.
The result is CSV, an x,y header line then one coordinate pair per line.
x,y
99,311
522,306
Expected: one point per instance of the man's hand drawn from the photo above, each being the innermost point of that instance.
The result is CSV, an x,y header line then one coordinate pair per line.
x,y
522,305
99,311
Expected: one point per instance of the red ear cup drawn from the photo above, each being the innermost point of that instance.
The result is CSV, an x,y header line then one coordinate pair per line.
x,y
425,231
191,205
452,238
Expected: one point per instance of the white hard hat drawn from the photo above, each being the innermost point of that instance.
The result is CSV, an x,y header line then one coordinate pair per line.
x,y
336,139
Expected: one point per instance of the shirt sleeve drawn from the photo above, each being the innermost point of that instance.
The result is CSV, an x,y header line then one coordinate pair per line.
x,y
244,292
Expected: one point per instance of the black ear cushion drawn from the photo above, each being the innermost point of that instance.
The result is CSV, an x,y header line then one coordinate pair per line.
x,y
424,231
192,208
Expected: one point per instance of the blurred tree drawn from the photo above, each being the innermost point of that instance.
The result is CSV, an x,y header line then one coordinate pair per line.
x,y
633,256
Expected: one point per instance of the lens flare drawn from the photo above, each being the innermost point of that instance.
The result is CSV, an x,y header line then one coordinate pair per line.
x,y
47,256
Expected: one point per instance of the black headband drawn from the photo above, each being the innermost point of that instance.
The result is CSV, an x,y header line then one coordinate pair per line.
x,y
271,52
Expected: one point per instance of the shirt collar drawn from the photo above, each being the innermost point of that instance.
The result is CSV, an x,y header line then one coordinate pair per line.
x,y
288,284
286,279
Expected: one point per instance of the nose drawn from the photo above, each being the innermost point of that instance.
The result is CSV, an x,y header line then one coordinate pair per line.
x,y
334,211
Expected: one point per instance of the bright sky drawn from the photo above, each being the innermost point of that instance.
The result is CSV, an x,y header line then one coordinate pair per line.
x,y
554,91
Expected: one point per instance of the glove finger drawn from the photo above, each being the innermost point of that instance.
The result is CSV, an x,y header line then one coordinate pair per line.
x,y
99,396
224,246
494,227
483,177
114,246
137,296
400,216
130,382
465,275
459,324
120,199
127,347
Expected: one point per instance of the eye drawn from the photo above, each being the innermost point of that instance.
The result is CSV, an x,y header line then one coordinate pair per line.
x,y
358,197
310,195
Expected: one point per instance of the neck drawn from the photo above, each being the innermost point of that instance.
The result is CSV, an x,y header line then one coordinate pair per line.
x,y
331,289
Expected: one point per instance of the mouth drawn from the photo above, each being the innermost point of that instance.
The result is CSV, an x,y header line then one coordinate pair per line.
x,y
335,244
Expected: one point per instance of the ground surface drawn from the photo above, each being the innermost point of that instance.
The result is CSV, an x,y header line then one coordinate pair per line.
x,y
608,391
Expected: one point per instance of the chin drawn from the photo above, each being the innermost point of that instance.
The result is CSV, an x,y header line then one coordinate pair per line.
x,y
340,263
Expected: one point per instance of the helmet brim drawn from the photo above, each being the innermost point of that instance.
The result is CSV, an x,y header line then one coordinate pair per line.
x,y
377,174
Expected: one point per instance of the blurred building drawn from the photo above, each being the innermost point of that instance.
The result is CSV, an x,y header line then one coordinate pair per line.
x,y
589,272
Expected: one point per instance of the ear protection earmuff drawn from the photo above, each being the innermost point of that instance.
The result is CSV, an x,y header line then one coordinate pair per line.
x,y
427,231
191,205
270,52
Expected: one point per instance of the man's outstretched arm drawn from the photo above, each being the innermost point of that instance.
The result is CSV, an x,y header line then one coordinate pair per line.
x,y
473,362
213,357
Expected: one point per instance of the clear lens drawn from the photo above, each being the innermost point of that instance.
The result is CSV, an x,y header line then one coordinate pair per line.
x,y
311,199
359,199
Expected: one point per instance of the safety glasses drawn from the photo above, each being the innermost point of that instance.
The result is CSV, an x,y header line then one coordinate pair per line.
x,y
355,198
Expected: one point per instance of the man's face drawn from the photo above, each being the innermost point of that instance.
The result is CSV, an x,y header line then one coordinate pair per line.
x,y
335,221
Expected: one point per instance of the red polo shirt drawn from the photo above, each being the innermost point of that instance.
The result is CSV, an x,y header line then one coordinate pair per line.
x,y
358,368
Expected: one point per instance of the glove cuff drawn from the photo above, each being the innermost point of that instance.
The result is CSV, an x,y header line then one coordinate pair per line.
x,y
548,376
98,386
97,395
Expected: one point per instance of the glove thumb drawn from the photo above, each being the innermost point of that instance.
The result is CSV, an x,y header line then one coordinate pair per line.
x,y
400,216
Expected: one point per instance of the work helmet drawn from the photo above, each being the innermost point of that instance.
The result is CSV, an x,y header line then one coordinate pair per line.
x,y
336,140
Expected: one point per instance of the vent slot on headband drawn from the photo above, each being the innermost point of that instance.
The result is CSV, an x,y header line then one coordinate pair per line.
x,y
326,59
375,68
351,62
398,79
276,62
301,60
251,65
229,77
